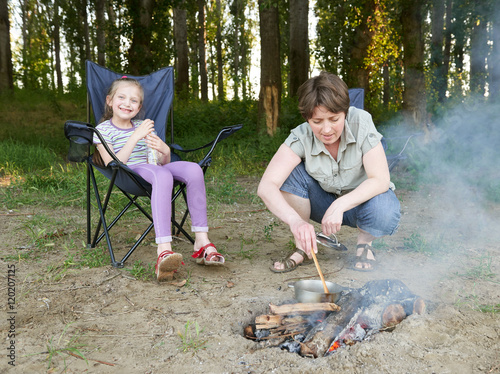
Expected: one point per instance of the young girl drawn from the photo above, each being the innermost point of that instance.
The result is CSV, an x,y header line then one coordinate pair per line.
x,y
129,138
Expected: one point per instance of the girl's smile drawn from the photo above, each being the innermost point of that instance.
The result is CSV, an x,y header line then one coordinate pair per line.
x,y
126,103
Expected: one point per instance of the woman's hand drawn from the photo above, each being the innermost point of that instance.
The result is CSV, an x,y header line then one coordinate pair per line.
x,y
305,236
332,220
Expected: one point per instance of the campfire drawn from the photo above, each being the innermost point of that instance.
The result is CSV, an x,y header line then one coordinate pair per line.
x,y
320,329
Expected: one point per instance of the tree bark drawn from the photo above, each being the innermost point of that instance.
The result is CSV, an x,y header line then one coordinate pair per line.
x,y
57,47
479,49
85,54
439,78
25,37
270,77
181,47
236,13
299,44
6,78
414,95
494,60
201,50
220,63
459,31
100,32
358,72
140,58
447,49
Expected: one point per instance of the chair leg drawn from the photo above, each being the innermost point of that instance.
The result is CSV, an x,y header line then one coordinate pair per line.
x,y
102,219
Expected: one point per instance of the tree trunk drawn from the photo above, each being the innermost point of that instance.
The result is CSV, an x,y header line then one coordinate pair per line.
x,y
494,60
299,44
414,96
57,47
236,12
479,49
6,79
220,64
447,49
112,55
459,31
86,34
100,32
439,78
270,76
358,72
201,50
25,37
140,58
181,47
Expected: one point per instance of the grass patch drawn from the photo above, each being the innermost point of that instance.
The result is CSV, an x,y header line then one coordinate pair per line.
x,y
191,339
94,258
417,243
472,301
482,270
61,347
141,271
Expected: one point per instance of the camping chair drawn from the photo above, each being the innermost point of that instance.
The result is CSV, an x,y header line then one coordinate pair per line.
x,y
357,99
158,93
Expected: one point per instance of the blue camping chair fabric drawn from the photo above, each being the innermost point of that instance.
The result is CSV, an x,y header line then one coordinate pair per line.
x,y
159,94
357,99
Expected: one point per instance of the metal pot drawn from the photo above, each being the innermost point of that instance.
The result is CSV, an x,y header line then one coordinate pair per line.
x,y
311,291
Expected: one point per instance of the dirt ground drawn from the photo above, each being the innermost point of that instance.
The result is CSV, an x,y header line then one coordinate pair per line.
x,y
125,325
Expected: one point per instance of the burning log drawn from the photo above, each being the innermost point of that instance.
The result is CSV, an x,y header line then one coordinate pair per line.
x,y
318,329
303,308
267,321
377,305
319,339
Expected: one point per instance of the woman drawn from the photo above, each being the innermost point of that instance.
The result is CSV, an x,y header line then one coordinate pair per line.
x,y
331,169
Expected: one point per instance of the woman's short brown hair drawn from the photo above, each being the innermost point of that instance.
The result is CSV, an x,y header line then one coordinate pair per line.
x,y
325,89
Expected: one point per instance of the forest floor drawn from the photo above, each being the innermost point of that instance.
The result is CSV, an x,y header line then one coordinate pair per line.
x,y
446,251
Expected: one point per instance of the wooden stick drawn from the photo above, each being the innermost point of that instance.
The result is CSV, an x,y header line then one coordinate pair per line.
x,y
325,288
303,308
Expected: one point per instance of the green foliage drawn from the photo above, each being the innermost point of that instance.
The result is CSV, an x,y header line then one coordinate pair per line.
x,y
141,271
268,229
471,300
93,258
481,270
62,346
36,118
192,340
196,121
417,243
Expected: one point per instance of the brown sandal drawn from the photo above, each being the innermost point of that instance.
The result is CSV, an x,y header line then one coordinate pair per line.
x,y
289,263
363,258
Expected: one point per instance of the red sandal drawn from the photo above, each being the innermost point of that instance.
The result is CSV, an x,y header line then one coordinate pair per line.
x,y
166,265
210,259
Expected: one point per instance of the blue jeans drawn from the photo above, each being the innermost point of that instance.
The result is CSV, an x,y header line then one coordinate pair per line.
x,y
378,216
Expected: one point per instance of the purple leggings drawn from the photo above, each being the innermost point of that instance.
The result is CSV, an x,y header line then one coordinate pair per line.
x,y
162,179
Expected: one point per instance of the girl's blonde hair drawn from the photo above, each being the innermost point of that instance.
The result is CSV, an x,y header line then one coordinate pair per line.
x,y
108,111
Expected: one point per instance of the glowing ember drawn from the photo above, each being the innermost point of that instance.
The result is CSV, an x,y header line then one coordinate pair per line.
x,y
334,346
